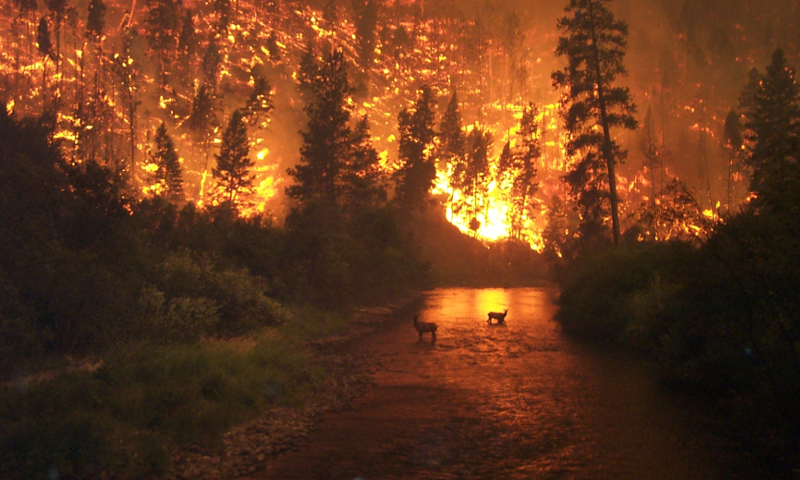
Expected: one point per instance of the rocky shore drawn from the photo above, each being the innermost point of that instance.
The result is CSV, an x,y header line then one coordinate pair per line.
x,y
247,448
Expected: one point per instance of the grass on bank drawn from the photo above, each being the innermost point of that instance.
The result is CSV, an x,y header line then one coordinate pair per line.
x,y
145,399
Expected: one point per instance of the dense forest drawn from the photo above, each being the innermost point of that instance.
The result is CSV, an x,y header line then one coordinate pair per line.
x,y
173,171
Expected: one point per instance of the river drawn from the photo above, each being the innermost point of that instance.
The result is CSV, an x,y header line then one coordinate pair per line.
x,y
511,401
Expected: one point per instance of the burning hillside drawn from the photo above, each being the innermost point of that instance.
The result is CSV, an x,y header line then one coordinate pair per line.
x,y
114,71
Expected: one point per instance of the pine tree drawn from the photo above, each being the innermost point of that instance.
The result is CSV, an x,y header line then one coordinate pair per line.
x,y
366,20
95,22
414,179
162,28
187,46
452,146
260,101
649,145
512,45
211,63
733,142
58,10
168,175
203,119
519,165
594,44
222,8
233,162
327,137
43,42
555,234
363,178
771,107
476,173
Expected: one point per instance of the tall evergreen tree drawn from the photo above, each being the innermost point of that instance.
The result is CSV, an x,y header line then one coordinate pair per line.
x,y
733,143
232,171
414,179
162,29
260,101
452,146
58,10
96,19
187,45
212,58
649,145
512,40
363,178
771,108
476,174
519,165
366,21
327,137
168,175
43,42
594,43
203,119
222,8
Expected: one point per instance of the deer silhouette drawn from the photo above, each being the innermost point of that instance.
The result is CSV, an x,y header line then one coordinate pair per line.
x,y
423,327
500,317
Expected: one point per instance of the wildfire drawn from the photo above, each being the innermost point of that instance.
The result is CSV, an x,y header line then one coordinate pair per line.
x,y
119,85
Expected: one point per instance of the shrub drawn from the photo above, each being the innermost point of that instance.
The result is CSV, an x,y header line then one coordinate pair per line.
x,y
596,296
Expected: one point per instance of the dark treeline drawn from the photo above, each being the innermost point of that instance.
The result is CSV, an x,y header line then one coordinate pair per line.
x,y
87,265
719,312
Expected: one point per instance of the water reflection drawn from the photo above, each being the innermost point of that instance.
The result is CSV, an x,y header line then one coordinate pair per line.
x,y
526,403
517,401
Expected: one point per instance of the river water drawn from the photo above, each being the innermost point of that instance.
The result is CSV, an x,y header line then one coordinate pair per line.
x,y
512,401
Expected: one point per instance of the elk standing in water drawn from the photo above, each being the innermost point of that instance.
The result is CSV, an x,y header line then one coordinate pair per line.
x,y
500,317
423,327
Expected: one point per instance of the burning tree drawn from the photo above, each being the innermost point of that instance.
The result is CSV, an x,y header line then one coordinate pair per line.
x,y
519,166
233,162
475,179
594,44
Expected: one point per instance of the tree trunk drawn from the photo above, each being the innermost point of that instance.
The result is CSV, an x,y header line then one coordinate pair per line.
x,y
608,153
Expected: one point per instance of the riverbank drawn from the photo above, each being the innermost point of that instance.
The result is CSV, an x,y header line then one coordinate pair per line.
x,y
214,409
247,448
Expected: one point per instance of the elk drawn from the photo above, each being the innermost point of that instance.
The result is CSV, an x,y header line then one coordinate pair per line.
x,y
500,317
423,327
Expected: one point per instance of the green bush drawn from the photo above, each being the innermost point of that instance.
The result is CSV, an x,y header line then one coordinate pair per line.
x,y
598,294
646,314
140,403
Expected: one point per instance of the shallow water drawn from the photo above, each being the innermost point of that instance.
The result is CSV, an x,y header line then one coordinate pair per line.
x,y
511,401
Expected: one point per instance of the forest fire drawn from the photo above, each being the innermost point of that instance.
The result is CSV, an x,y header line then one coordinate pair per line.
x,y
113,84
198,195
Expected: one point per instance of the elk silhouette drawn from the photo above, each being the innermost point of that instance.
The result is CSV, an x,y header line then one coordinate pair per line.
x,y
500,317
423,327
